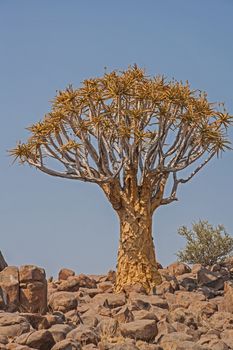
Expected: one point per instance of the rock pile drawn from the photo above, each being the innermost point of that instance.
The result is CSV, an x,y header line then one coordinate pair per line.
x,y
191,310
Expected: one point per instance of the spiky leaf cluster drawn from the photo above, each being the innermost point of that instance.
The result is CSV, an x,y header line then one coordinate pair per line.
x,y
127,120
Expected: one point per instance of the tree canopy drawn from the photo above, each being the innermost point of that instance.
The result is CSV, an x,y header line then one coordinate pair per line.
x,y
127,121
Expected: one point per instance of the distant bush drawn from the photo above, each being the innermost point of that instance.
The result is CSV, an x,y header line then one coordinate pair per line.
x,y
206,244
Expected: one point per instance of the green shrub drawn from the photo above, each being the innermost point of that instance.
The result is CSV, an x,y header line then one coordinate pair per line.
x,y
205,244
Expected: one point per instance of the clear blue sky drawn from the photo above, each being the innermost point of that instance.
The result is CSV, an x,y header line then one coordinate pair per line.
x,y
45,45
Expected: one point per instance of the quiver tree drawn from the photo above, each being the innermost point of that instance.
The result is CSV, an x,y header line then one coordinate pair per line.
x,y
134,136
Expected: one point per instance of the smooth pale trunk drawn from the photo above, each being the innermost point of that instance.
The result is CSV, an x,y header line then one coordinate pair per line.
x,y
136,255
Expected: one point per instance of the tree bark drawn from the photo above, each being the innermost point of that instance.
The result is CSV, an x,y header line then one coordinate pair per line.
x,y
136,255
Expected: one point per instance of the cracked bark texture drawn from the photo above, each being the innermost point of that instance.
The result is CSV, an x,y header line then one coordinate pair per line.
x,y
136,262
136,255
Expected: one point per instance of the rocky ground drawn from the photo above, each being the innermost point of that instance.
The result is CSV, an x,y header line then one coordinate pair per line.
x,y
191,309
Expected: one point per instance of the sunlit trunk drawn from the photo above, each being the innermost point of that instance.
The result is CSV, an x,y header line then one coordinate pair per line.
x,y
136,255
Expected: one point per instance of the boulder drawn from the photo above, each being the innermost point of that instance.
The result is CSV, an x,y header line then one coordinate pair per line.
x,y
84,335
73,317
221,320
14,346
181,327
90,347
91,292
111,276
3,263
9,284
227,337
3,300
31,273
137,300
64,274
90,318
164,287
55,318
184,298
41,340
158,312
144,315
182,345
187,281
139,330
37,321
67,344
119,346
217,344
171,340
124,315
164,327
134,288
107,327
3,339
212,341
147,346
59,331
183,316
105,286
177,269
227,304
33,289
196,268
12,325
210,279
73,283
203,309
110,300
62,301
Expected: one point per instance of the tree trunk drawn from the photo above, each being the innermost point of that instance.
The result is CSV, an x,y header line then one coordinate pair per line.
x,y
136,254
